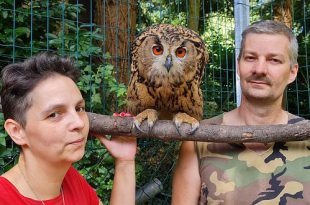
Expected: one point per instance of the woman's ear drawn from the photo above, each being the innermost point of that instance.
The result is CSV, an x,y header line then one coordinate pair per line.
x,y
15,131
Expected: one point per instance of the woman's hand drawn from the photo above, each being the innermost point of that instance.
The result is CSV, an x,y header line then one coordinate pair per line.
x,y
122,148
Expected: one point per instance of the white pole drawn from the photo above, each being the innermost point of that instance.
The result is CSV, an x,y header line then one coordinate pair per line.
x,y
242,20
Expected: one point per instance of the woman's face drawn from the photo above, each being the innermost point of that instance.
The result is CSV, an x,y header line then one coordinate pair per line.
x,y
56,123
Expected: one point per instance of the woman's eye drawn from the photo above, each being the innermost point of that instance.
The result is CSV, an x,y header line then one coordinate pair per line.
x,y
80,109
180,52
157,50
53,115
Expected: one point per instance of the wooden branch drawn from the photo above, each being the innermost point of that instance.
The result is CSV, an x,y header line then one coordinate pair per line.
x,y
166,130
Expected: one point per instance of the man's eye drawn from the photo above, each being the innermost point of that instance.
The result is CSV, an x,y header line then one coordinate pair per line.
x,y
249,58
275,60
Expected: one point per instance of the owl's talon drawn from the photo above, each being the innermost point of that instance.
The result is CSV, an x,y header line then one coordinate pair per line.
x,y
177,128
150,126
180,118
194,128
151,116
177,124
137,125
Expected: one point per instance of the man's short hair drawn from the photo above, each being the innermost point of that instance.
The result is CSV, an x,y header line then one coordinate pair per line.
x,y
19,79
272,27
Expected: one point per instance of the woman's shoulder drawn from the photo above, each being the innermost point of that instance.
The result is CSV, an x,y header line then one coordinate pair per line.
x,y
9,192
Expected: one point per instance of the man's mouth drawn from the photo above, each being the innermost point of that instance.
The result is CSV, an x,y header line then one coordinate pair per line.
x,y
259,82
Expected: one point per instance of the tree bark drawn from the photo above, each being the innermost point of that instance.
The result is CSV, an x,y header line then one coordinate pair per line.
x,y
166,130
194,13
283,12
118,21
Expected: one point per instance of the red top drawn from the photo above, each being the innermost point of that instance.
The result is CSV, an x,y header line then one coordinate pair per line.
x,y
75,188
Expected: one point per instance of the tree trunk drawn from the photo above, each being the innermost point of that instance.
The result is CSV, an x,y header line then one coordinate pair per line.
x,y
118,22
283,12
193,16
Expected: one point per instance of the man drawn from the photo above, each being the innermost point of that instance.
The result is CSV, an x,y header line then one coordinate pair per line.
x,y
251,173
45,116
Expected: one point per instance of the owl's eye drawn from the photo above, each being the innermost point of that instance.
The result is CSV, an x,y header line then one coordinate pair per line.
x,y
158,50
180,52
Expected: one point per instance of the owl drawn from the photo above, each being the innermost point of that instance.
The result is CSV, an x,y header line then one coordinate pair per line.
x,y
166,70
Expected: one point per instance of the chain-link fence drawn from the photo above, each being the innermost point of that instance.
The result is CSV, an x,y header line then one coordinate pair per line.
x,y
97,34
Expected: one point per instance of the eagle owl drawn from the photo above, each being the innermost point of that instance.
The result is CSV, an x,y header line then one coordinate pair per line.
x,y
166,70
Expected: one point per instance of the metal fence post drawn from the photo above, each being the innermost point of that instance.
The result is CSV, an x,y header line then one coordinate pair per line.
x,y
242,20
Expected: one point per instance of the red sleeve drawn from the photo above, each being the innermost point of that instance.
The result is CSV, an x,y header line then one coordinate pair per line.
x,y
77,190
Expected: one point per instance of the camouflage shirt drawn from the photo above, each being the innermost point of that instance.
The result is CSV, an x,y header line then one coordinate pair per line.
x,y
234,174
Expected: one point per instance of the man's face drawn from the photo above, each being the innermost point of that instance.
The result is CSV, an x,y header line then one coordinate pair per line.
x,y
56,123
264,67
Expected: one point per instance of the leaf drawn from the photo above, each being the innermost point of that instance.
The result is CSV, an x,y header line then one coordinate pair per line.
x,y
51,35
87,68
20,18
5,14
86,25
11,2
19,31
96,98
98,80
2,139
98,36
55,42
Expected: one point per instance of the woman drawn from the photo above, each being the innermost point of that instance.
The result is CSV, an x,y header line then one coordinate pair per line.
x,y
45,116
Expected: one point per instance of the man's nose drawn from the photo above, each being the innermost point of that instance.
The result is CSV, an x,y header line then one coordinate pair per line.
x,y
260,67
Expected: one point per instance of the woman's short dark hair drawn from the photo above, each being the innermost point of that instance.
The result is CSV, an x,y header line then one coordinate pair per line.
x,y
19,79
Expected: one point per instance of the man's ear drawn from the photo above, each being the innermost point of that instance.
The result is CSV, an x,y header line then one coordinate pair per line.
x,y
293,73
15,131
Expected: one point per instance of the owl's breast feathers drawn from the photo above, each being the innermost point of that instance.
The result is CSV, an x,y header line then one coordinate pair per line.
x,y
185,97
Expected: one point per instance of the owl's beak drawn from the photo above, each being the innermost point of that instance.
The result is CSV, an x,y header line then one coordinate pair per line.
x,y
168,64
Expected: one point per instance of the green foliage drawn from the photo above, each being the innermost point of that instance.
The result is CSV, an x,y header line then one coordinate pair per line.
x,y
3,134
6,149
94,81
155,12
45,19
219,39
